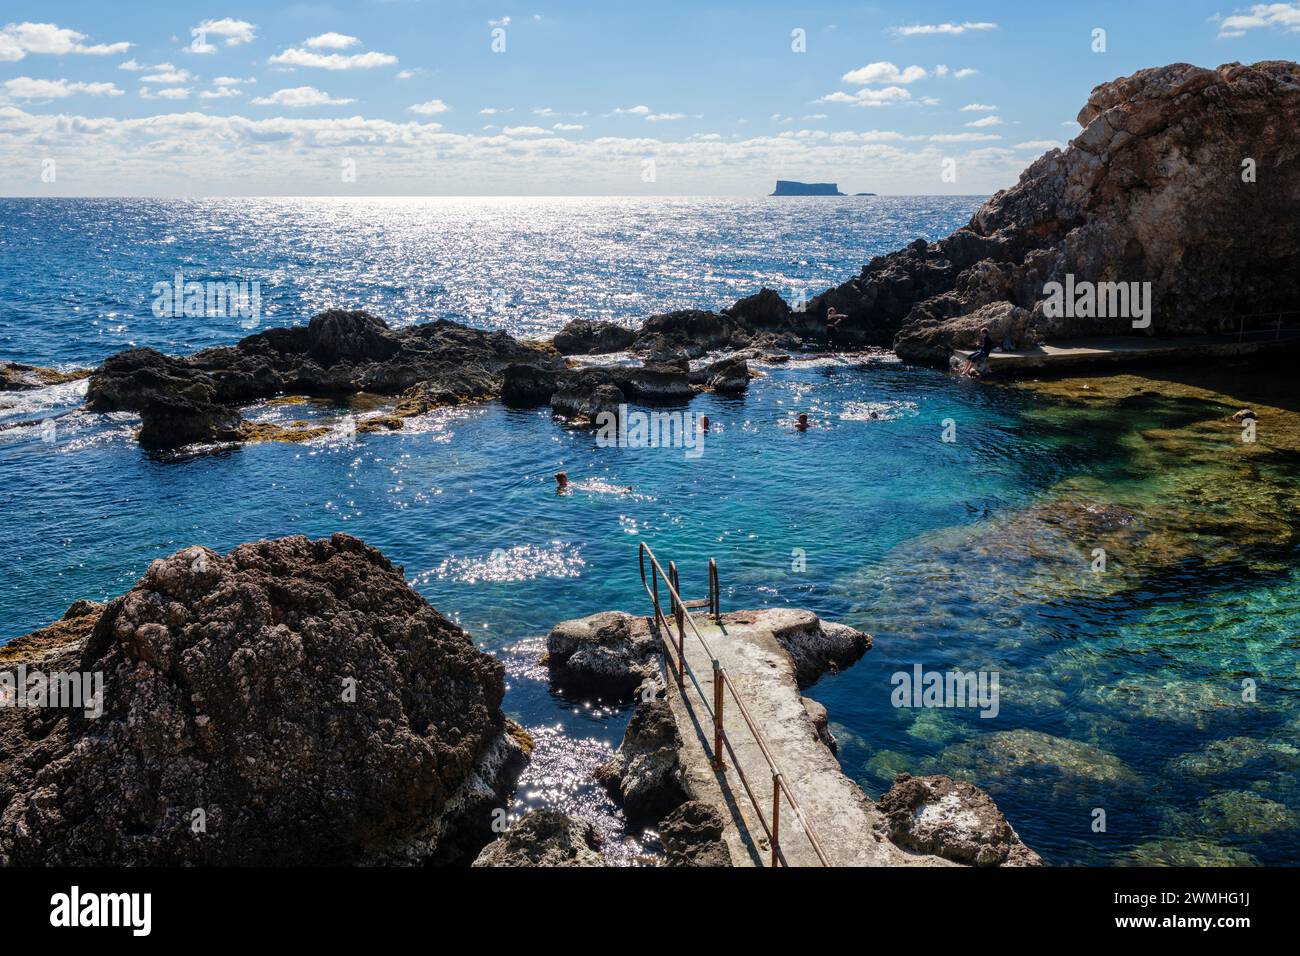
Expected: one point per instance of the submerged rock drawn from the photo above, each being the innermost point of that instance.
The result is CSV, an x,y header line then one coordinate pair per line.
x,y
545,838
1245,813
291,702
952,819
1011,756
1183,852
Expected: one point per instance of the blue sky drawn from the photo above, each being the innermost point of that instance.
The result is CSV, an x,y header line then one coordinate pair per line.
x,y
409,97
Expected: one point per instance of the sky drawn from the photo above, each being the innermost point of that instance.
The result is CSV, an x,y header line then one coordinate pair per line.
x,y
698,97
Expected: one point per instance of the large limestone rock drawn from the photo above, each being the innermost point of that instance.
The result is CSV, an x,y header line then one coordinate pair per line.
x,y
291,702
1152,190
608,654
952,819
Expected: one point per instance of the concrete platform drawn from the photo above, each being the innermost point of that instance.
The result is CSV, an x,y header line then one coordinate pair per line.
x,y
1074,354
847,823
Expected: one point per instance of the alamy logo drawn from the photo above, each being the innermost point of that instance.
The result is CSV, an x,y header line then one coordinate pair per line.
x,y
214,300
922,688
63,690
1098,300
637,429
103,909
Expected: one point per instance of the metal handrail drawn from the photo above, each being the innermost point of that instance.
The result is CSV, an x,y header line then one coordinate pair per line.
x,y
1241,330
721,741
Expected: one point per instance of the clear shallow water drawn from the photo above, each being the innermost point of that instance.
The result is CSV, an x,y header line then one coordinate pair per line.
x,y
966,555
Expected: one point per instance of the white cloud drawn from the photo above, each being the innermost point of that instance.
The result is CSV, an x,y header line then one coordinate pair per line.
x,y
168,75
132,65
568,127
882,97
503,22
410,74
1038,144
965,72
639,110
492,111
19,39
526,131
429,108
169,93
884,72
220,93
300,96
332,61
964,137
234,31
659,117
26,88
986,121
192,152
945,29
331,41
1279,16
978,108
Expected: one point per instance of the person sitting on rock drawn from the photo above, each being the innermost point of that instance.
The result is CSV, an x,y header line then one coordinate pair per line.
x,y
983,348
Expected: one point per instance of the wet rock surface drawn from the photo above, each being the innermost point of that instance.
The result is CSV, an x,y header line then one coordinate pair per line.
x,y
608,654
291,702
544,838
187,399
646,775
952,819
584,337
15,376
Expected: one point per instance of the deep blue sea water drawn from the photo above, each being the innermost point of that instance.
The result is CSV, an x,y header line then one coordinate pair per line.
x,y
1120,690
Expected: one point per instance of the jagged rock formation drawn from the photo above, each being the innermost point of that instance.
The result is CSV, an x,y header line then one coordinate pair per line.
x,y
182,400
952,819
545,838
692,836
291,702
584,337
1157,188
645,774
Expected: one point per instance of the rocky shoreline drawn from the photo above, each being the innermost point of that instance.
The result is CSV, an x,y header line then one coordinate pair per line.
x,y
295,702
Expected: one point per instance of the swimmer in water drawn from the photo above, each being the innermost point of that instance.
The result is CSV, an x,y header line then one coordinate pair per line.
x,y
561,482
704,422
802,423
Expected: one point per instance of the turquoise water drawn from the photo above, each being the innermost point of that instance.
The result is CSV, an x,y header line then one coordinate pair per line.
x,y
950,553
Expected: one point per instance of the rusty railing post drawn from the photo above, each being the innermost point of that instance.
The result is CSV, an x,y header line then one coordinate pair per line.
x,y
776,818
717,715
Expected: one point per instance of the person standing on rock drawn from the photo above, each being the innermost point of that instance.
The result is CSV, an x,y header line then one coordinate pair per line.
x,y
833,320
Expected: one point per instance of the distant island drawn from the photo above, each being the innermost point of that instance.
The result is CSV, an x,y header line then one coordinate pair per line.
x,y
788,187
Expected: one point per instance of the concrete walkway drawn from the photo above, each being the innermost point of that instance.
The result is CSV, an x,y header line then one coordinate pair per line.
x,y
1069,354
848,825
